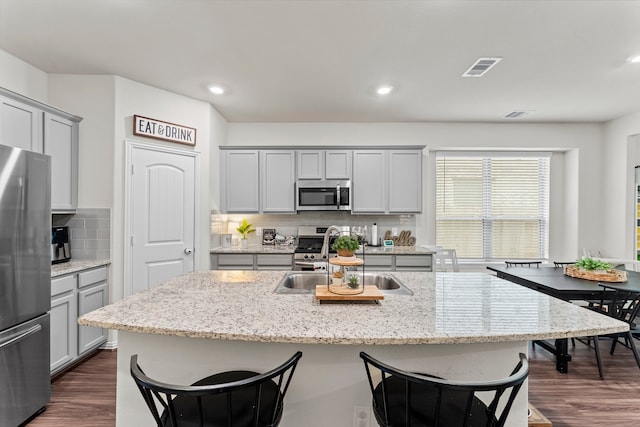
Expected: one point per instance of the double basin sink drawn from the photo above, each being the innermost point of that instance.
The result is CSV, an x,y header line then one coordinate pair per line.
x,y
305,283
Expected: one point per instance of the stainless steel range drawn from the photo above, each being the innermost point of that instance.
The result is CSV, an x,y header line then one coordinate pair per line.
x,y
308,253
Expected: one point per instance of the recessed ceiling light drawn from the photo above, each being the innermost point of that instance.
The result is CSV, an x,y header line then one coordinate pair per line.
x,y
635,59
384,90
216,90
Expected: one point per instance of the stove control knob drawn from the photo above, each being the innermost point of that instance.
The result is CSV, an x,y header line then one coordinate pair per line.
x,y
311,256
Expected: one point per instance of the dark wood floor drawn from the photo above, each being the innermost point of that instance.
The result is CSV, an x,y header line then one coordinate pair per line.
x,y
85,396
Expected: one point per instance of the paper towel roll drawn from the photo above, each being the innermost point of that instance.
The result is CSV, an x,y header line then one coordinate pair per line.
x,y
374,234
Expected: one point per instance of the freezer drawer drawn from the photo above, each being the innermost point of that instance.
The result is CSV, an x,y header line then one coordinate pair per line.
x,y
24,370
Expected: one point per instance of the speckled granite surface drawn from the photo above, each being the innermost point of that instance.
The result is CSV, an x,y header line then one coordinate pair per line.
x,y
74,266
445,308
263,249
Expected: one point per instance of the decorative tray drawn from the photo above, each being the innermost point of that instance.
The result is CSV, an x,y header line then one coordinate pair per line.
x,y
370,293
346,260
612,276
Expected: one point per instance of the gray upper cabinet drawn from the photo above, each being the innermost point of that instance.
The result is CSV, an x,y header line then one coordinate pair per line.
x,y
324,164
405,181
239,173
337,164
277,177
387,181
20,125
369,181
310,164
61,143
31,125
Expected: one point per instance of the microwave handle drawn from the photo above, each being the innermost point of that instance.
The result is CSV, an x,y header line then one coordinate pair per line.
x,y
338,197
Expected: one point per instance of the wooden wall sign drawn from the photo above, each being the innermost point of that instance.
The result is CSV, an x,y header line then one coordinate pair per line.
x,y
165,131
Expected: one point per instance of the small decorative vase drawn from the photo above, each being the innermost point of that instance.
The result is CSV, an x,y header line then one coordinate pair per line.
x,y
337,281
244,243
345,252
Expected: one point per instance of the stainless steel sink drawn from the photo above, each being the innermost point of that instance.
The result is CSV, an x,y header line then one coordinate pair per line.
x,y
305,282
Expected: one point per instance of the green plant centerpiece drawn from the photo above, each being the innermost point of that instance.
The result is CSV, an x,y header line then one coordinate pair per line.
x,y
594,269
591,264
345,245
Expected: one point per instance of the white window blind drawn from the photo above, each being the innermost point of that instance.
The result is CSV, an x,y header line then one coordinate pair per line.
x,y
493,206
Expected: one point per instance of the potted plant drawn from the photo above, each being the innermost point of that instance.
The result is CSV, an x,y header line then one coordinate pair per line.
x,y
346,246
353,281
244,229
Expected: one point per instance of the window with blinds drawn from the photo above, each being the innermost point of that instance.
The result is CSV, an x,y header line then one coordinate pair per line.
x,y
493,206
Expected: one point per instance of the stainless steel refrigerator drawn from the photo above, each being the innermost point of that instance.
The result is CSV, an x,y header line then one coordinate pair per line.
x,y
25,284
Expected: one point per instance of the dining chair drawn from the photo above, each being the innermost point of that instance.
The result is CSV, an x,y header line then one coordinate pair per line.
x,y
623,305
226,399
535,264
446,259
403,399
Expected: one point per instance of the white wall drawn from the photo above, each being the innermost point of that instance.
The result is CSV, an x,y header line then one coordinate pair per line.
x,y
136,98
23,78
576,218
92,98
619,156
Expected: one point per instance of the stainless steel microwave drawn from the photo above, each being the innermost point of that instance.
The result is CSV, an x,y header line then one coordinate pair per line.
x,y
333,195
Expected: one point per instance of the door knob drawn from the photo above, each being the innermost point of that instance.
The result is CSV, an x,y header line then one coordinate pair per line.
x,y
188,251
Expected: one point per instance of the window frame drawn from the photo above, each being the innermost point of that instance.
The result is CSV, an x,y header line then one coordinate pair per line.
x,y
487,219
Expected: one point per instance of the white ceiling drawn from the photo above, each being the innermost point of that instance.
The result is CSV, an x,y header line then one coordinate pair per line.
x,y
320,61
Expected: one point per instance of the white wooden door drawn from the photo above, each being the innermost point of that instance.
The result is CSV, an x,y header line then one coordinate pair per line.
x,y
162,215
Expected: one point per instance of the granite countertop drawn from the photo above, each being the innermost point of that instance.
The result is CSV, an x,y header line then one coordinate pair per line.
x,y
446,308
288,249
255,249
76,265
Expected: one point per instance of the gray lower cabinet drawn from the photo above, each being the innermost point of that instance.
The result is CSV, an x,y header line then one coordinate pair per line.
x,y
373,262
73,295
395,262
379,262
251,261
93,293
274,262
418,262
64,314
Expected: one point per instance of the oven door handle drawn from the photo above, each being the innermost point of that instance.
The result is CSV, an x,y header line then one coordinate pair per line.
x,y
338,197
14,338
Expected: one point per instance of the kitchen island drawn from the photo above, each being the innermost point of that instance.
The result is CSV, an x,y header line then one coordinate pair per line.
x,y
455,325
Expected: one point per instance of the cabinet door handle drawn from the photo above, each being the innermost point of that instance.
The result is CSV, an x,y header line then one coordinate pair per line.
x,y
188,251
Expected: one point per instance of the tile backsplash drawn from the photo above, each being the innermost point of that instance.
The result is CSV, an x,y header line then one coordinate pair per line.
x,y
90,232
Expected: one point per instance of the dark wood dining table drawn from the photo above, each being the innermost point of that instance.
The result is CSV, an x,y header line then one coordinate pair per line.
x,y
552,281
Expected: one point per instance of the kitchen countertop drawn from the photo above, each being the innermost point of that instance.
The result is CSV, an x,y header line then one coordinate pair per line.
x,y
76,265
446,308
289,249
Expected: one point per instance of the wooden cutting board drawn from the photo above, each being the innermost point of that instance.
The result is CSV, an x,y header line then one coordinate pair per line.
x,y
370,293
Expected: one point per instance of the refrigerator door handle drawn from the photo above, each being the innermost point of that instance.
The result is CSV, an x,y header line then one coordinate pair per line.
x,y
19,336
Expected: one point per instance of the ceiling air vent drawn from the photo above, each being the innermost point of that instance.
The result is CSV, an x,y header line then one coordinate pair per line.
x,y
481,66
516,114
